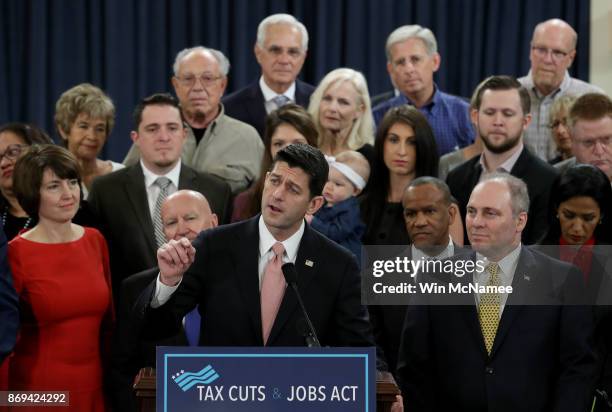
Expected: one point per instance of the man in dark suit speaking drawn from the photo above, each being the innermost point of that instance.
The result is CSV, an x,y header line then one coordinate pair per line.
x,y
233,272
529,350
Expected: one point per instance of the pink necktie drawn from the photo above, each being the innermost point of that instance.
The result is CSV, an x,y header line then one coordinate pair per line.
x,y
272,290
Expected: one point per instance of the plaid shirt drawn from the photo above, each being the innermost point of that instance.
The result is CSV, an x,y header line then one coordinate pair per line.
x,y
448,116
538,136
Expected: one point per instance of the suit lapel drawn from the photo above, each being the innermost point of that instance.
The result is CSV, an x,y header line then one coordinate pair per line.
x,y
137,195
516,300
247,262
186,178
301,97
256,106
306,266
469,312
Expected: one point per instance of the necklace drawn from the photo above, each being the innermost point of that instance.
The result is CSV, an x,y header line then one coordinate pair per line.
x,y
5,214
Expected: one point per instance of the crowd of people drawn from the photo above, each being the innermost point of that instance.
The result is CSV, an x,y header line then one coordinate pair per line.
x,y
102,262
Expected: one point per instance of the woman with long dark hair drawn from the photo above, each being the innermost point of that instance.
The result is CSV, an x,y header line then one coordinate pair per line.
x,y
405,148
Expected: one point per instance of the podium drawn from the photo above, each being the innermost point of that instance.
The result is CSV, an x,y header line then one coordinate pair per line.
x,y
144,386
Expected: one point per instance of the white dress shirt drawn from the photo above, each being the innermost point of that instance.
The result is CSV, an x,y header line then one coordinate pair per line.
x,y
270,94
507,267
266,240
153,190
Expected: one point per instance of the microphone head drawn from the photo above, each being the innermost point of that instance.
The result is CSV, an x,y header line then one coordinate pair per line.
x,y
290,273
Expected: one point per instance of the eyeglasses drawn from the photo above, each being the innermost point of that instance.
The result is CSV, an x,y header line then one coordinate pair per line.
x,y
206,80
12,152
605,141
557,123
557,55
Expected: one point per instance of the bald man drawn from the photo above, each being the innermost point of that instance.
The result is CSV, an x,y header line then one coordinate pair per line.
x,y
553,48
184,214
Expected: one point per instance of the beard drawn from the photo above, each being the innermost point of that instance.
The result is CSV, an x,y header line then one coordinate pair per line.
x,y
510,143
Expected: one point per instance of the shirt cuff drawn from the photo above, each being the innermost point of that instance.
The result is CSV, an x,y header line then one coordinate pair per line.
x,y
162,292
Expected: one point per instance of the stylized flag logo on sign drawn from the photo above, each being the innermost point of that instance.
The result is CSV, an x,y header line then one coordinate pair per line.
x,y
187,380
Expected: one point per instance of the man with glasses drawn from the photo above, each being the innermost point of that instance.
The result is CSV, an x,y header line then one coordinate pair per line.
x,y
282,43
553,48
590,121
216,143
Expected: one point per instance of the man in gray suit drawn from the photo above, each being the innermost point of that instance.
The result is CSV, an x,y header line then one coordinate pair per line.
x,y
128,202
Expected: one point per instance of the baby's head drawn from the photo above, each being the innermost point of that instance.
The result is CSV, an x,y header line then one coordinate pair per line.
x,y
348,175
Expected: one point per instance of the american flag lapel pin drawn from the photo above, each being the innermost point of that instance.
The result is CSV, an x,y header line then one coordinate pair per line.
x,y
309,263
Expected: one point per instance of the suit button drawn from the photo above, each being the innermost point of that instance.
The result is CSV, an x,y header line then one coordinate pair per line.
x,y
489,370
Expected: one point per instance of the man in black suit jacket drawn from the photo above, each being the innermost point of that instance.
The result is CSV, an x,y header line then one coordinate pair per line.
x,y
184,214
529,350
282,43
231,262
501,116
124,201
9,304
428,215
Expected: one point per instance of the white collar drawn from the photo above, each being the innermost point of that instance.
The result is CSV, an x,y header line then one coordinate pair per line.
x,y
507,165
270,94
173,175
291,244
508,263
447,252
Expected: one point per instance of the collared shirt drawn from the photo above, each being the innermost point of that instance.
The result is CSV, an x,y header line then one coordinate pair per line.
x,y
266,240
507,267
504,167
230,149
538,136
448,116
447,252
270,94
153,190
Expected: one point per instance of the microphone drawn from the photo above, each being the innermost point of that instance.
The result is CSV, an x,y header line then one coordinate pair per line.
x,y
291,278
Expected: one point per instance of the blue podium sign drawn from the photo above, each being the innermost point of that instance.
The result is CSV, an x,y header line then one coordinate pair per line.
x,y
265,379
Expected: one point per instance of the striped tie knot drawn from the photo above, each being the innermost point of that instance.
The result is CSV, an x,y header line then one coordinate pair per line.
x,y
163,183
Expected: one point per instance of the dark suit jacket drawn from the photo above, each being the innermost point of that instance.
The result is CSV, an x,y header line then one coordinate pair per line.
x,y
130,351
224,281
388,320
119,201
536,173
542,357
9,304
247,104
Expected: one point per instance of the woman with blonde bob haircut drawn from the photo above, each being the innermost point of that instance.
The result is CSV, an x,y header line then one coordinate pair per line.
x,y
342,112
84,117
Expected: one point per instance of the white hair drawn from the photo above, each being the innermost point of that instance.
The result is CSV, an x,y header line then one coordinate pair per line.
x,y
281,18
224,64
363,129
412,31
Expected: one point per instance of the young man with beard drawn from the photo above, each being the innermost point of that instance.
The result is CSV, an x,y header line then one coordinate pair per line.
x,y
501,115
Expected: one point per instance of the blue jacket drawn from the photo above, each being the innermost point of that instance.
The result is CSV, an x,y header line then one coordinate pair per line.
x,y
9,308
342,224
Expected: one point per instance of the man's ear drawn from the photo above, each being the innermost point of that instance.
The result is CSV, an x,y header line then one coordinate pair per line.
x,y
214,220
315,204
134,136
521,221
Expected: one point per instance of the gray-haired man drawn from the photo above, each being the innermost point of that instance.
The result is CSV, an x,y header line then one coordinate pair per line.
x,y
216,143
412,60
